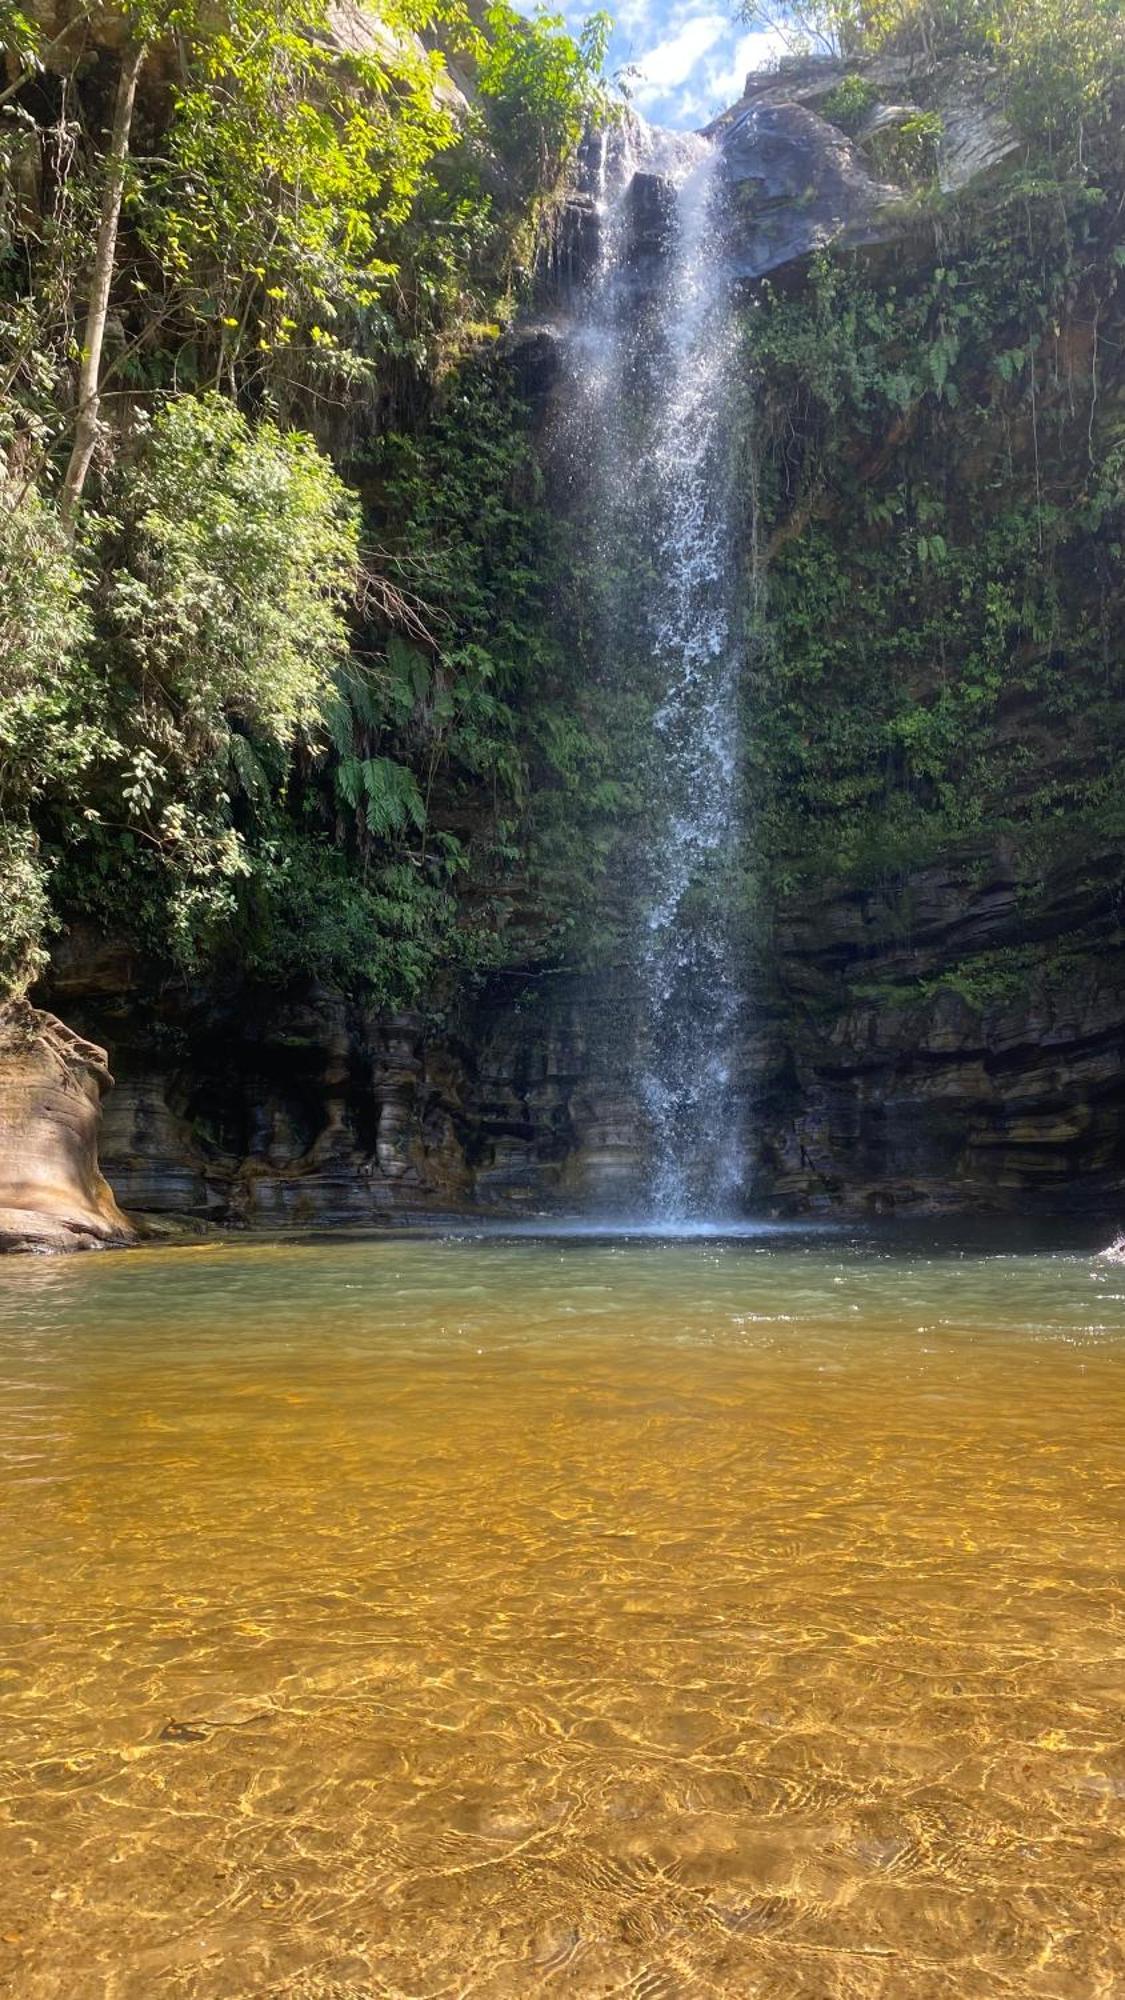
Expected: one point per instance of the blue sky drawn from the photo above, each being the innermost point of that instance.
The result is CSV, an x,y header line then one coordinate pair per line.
x,y
691,58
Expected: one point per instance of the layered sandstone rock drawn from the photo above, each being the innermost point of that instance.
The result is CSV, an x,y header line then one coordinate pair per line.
x,y
867,1081
53,1195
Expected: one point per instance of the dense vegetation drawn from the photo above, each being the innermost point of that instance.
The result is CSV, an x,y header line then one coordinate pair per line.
x,y
251,258
1055,65
942,482
294,665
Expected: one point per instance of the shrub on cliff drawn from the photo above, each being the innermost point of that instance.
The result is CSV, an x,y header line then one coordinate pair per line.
x,y
154,678
1059,64
51,713
240,551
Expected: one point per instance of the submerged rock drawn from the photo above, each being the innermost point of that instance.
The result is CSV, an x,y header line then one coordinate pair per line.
x,y
53,1195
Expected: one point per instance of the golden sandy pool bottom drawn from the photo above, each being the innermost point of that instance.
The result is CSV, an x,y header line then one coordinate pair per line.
x,y
442,1618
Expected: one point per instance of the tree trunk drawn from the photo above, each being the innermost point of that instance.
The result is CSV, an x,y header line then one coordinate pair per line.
x,y
105,259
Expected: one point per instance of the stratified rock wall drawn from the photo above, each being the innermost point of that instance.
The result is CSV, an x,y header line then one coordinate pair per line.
x,y
311,1111
52,1193
882,1086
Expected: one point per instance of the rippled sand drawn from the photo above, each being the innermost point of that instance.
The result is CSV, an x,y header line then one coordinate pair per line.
x,y
437,1618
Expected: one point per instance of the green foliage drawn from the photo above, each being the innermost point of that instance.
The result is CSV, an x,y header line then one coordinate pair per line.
x,y
305,911
852,351
202,719
308,204
219,599
26,918
494,700
541,84
265,198
48,698
907,152
52,710
941,483
197,723
848,104
469,523
994,979
265,787
1064,65
387,792
1058,65
241,556
288,167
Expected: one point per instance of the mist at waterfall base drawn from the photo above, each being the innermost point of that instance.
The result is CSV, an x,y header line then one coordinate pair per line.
x,y
651,437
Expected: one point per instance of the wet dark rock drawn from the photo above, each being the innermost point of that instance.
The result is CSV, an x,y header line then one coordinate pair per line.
x,y
911,1081
652,217
533,352
797,184
570,253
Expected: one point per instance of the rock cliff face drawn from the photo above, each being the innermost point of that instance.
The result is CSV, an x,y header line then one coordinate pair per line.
x,y
313,1111
946,1032
52,1193
888,1087
858,1099
828,174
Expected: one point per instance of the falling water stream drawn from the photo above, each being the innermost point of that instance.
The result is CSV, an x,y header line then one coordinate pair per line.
x,y
653,383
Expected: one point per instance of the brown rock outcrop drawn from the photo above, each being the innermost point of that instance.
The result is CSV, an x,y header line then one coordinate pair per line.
x,y
52,1192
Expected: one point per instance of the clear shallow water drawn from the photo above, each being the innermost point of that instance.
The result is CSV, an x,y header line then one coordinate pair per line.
x,y
498,1616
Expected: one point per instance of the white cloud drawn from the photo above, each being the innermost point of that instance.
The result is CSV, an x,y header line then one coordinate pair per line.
x,y
757,50
668,67
689,62
631,15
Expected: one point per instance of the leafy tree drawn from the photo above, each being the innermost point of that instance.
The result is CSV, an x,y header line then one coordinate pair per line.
x,y
217,226
241,555
52,713
285,155
264,233
542,83
222,620
291,166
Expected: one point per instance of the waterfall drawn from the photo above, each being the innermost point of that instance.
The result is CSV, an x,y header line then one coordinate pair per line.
x,y
653,428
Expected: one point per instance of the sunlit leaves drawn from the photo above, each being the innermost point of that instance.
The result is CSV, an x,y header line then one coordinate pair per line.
x,y
290,162
242,555
541,82
52,714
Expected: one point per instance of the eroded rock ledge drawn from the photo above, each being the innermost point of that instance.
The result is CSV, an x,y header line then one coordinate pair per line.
x,y
53,1195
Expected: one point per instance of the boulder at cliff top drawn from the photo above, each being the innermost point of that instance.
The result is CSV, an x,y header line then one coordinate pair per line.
x,y
797,184
52,1193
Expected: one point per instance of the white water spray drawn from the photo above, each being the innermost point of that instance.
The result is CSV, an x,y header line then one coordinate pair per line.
x,y
652,366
